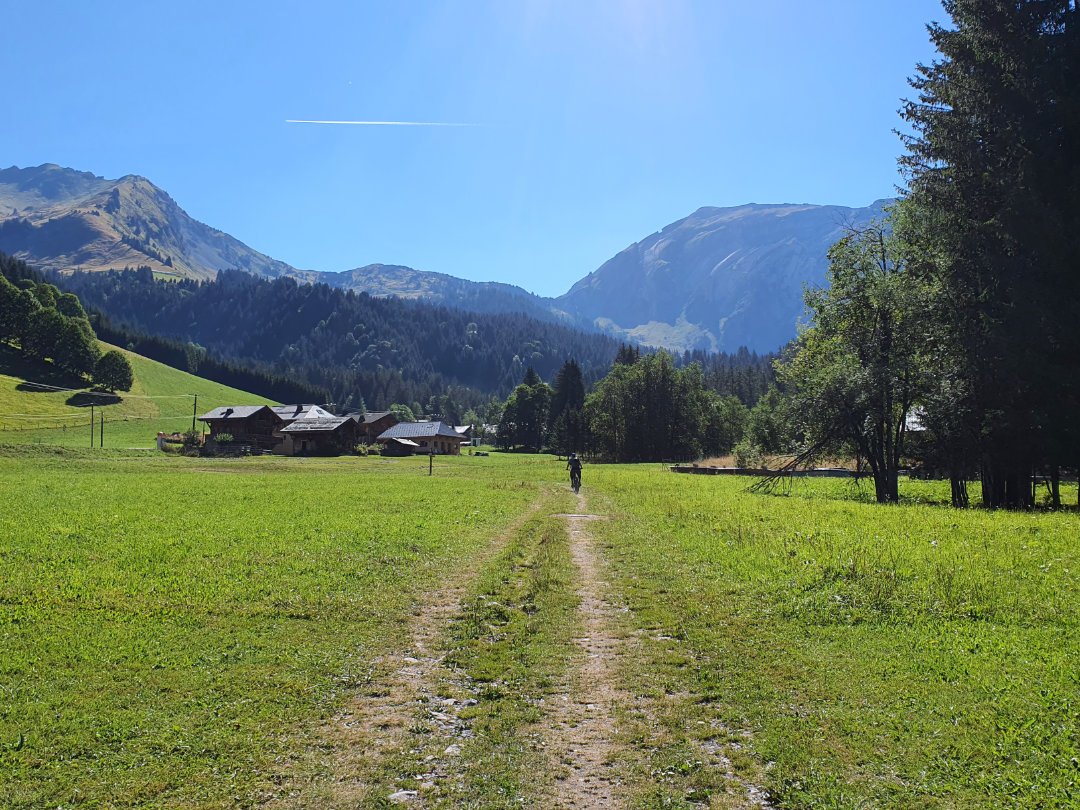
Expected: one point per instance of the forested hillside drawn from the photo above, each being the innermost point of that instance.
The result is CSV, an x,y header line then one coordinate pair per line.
x,y
354,345
358,348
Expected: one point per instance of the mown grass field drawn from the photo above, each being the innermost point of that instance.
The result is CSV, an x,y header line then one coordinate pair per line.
x,y
162,398
910,656
167,623
172,629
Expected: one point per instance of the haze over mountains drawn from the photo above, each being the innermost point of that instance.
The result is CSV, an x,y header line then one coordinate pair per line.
x,y
719,279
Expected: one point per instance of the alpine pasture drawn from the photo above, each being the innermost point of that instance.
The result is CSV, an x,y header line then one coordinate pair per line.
x,y
185,632
57,412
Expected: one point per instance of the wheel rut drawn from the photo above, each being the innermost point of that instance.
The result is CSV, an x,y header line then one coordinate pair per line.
x,y
582,724
374,726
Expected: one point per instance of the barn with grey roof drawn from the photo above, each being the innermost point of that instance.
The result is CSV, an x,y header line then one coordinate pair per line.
x,y
429,437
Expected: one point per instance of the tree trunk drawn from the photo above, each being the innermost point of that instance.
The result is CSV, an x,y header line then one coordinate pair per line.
x,y
959,492
1006,485
886,483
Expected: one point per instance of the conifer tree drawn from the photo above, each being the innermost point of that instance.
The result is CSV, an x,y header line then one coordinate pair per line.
x,y
993,172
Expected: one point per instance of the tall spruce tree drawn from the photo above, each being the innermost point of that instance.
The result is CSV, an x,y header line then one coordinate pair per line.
x,y
566,423
992,169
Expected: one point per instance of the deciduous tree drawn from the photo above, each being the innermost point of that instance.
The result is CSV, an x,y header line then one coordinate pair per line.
x,y
113,372
861,366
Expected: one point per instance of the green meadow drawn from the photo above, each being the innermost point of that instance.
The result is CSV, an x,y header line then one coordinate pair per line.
x,y
172,629
165,623
910,656
162,398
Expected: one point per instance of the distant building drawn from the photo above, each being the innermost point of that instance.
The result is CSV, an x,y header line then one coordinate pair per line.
x,y
282,429
252,425
318,437
430,437
294,430
291,413
374,423
399,447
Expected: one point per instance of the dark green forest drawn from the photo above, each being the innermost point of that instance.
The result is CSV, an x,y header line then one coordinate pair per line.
x,y
44,323
359,350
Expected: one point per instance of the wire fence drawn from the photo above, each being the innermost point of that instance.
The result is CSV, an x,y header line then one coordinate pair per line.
x,y
94,406
83,424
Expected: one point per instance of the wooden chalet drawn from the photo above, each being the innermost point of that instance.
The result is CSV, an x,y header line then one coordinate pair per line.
x,y
399,447
283,429
374,423
318,437
247,424
292,413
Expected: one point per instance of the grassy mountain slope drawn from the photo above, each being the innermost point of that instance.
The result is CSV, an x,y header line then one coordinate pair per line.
x,y
60,219
32,415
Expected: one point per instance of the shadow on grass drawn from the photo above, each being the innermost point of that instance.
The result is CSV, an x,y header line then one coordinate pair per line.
x,y
84,399
15,364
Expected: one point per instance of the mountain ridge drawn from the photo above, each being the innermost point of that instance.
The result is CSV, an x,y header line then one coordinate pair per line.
x,y
717,279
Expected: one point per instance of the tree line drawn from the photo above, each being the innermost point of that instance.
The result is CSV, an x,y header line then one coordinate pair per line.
x,y
47,324
646,408
947,336
355,350
360,349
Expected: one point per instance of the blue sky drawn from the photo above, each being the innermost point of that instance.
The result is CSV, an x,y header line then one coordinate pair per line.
x,y
597,122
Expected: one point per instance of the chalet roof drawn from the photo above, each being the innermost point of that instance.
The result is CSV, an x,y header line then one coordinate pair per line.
x,y
321,425
232,412
419,430
375,416
293,412
463,430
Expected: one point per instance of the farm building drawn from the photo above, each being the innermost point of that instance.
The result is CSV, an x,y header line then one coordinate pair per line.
x,y
318,436
291,413
400,447
430,437
374,423
269,427
292,430
246,424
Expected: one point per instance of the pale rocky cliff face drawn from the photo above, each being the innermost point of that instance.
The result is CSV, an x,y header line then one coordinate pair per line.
x,y
719,279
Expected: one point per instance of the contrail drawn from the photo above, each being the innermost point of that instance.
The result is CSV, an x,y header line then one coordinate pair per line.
x,y
381,123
